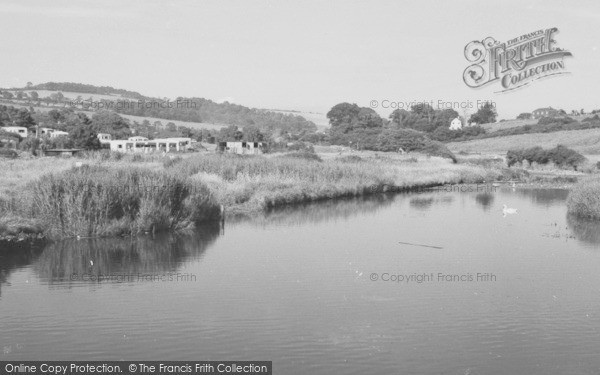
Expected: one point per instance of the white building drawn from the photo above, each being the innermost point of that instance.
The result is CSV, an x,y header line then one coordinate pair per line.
x,y
456,124
52,133
104,137
241,147
20,130
58,133
46,131
138,139
146,146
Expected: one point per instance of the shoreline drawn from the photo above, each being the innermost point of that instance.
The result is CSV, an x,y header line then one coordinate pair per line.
x,y
250,194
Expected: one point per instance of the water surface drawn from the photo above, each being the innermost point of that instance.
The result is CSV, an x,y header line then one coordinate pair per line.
x,y
296,287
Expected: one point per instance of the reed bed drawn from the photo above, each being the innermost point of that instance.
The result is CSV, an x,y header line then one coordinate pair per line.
x,y
110,195
250,184
97,201
584,199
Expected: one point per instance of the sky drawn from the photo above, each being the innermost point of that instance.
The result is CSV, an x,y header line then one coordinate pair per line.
x,y
296,55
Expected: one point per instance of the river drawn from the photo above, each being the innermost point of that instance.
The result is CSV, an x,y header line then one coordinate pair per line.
x,y
437,282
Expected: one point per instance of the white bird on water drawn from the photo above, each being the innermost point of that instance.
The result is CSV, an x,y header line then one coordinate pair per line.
x,y
509,211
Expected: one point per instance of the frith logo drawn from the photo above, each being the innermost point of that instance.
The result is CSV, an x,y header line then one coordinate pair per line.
x,y
515,63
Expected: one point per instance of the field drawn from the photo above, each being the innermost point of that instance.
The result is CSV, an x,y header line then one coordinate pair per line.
x,y
586,142
507,124
493,127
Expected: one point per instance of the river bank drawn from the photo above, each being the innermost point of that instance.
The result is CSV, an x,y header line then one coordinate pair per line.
x,y
99,195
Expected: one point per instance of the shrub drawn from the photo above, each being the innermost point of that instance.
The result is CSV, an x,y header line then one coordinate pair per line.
x,y
8,153
560,155
564,156
555,120
591,119
411,141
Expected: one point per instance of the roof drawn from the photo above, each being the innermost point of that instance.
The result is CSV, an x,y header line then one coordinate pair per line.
x,y
64,150
545,109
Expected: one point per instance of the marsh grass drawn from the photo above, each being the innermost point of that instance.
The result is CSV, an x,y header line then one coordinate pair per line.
x,y
97,201
254,183
107,196
584,199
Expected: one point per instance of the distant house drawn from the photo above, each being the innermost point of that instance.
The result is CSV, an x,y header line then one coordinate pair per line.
x,y
46,131
138,139
544,112
456,124
104,137
58,133
20,130
154,145
242,148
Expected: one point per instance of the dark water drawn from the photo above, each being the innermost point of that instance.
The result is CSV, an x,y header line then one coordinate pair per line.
x,y
295,287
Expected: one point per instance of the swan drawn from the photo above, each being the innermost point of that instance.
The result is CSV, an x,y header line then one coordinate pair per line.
x,y
506,210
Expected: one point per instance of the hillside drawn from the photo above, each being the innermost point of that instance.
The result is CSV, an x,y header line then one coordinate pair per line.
x,y
190,110
584,141
496,126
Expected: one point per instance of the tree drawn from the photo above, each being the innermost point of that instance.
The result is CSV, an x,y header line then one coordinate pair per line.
x,y
34,96
85,137
29,84
109,122
400,117
524,116
7,95
342,113
230,133
171,127
485,115
253,134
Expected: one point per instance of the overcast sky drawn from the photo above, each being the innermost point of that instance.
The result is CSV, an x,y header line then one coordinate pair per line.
x,y
303,55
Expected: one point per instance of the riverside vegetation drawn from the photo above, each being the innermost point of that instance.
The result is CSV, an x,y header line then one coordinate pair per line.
x,y
116,194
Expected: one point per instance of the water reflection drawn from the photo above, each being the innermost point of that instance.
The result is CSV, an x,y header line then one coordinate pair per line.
x,y
585,230
422,203
13,259
67,261
319,212
485,200
545,197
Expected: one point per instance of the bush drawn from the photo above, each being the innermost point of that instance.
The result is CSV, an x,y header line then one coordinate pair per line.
x,y
555,120
560,155
8,153
591,119
411,141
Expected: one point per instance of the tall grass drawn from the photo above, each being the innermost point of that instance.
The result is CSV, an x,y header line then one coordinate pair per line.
x,y
252,183
97,201
584,199
110,196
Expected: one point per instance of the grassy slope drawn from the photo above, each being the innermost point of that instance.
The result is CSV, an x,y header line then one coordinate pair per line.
x,y
584,141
